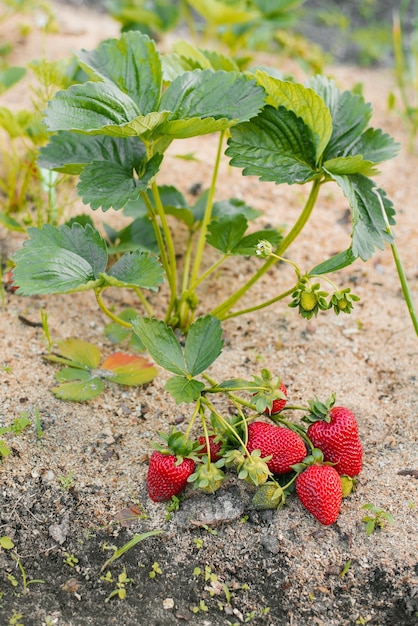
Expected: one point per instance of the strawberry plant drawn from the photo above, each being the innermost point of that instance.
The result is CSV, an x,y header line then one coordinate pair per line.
x,y
275,458
113,131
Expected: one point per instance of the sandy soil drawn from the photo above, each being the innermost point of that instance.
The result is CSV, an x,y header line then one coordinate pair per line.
x,y
280,568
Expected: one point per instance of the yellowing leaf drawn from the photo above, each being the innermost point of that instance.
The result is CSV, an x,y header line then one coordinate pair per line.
x,y
129,369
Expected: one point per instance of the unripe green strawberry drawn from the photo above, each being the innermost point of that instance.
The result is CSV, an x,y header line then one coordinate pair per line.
x,y
166,476
268,496
308,300
319,490
285,446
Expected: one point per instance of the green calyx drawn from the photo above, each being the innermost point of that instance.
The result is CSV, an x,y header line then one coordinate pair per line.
x,y
319,411
316,457
342,301
310,299
270,391
254,470
178,445
208,476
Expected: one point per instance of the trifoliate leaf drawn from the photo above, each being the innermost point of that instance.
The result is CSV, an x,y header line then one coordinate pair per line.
x,y
60,260
161,343
275,146
184,389
203,345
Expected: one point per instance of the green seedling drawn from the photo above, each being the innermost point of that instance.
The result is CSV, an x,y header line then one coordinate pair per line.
x,y
376,518
155,570
121,585
67,482
128,546
116,138
18,425
70,559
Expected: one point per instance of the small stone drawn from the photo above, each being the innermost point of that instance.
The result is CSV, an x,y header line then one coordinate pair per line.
x,y
168,604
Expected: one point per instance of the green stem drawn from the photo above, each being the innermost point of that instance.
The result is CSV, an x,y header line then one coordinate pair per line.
x,y
257,307
207,215
106,311
209,271
222,309
158,235
197,410
144,301
171,254
226,424
399,268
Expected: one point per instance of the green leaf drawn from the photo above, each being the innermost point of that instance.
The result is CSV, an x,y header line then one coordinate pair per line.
x,y
116,333
226,233
335,263
10,76
369,223
90,107
234,206
138,235
206,94
350,115
375,146
350,165
10,223
248,245
70,152
305,104
203,345
275,146
161,343
108,185
136,269
81,388
79,352
60,260
184,389
130,62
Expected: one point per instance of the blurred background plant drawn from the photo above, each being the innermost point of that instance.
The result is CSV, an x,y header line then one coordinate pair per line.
x,y
405,48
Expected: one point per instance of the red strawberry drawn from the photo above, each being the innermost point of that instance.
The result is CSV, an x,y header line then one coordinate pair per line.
x,y
214,447
336,434
286,447
165,478
319,490
278,403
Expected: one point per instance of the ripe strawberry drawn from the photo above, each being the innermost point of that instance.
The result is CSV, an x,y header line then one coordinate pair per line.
x,y
214,447
336,434
279,403
285,446
319,490
166,477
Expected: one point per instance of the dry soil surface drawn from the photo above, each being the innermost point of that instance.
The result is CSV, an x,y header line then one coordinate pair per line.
x,y
274,568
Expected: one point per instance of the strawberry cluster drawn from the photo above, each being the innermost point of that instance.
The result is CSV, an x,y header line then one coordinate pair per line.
x,y
278,457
